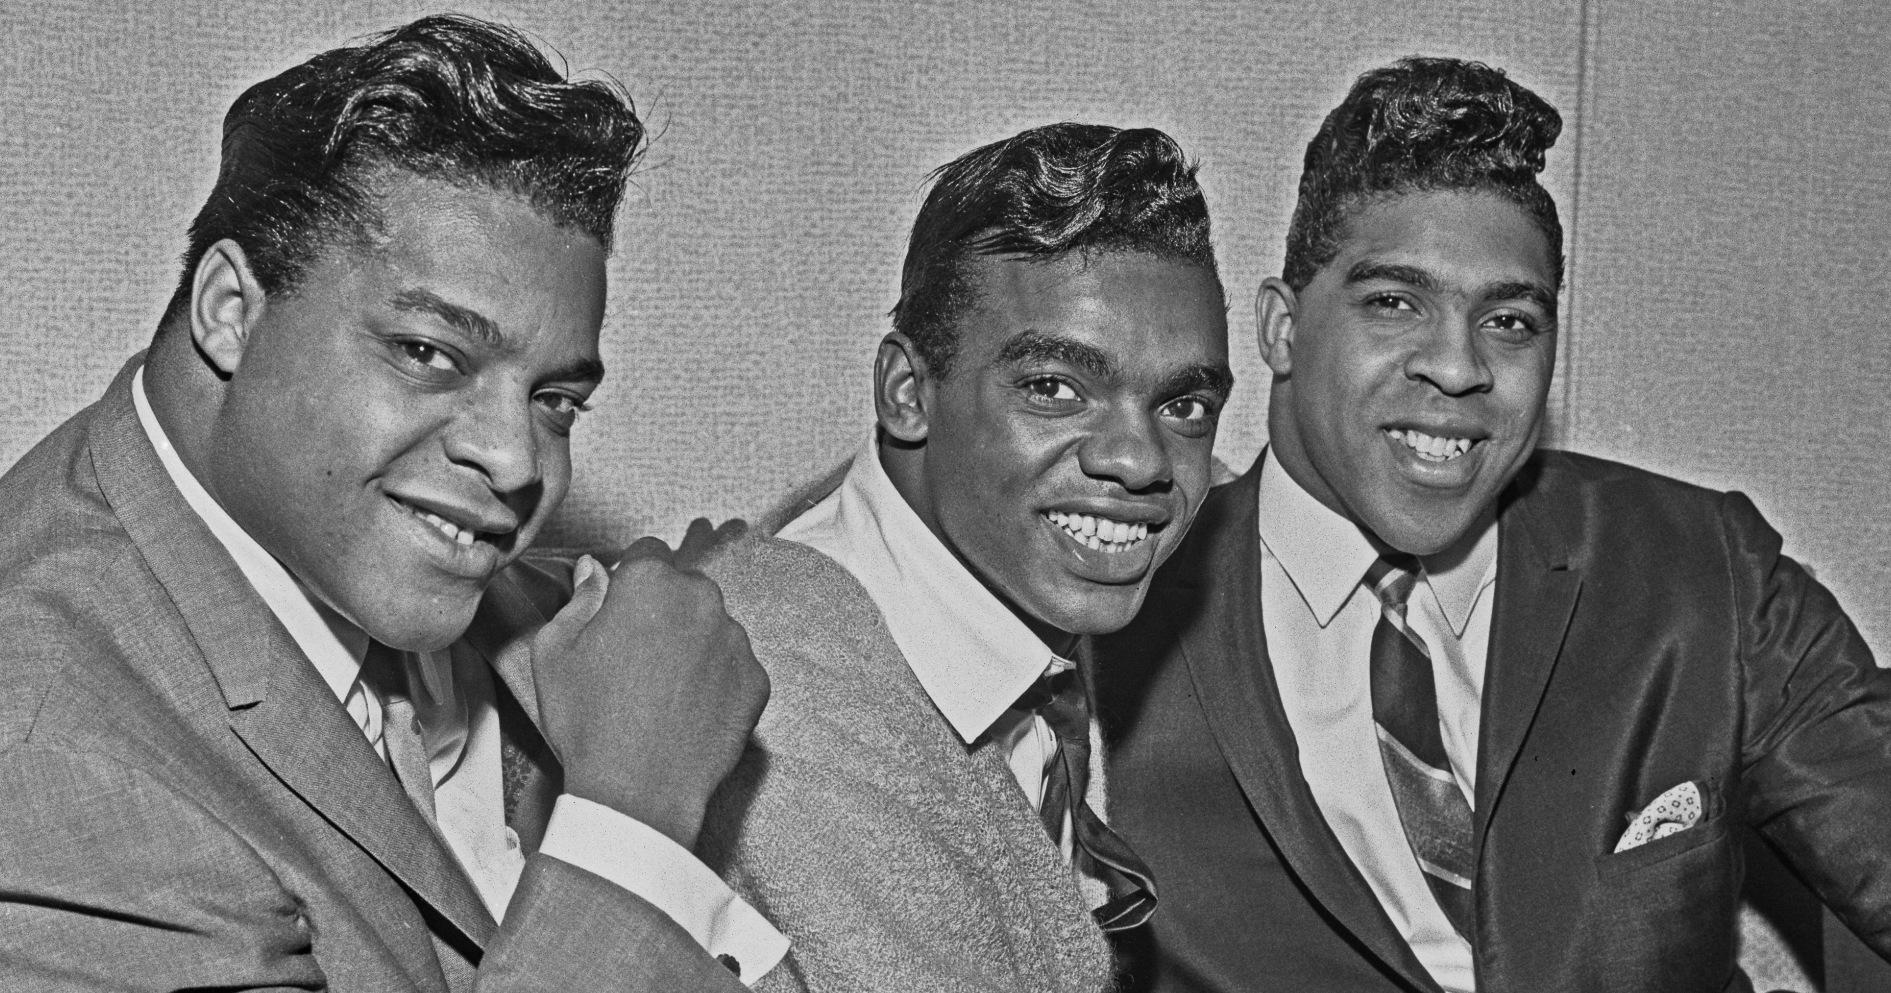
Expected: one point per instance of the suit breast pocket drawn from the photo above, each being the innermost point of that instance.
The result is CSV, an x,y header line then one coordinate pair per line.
x,y
1661,915
1617,865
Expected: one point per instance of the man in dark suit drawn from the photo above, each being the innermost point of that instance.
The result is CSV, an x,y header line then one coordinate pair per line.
x,y
1419,707
277,716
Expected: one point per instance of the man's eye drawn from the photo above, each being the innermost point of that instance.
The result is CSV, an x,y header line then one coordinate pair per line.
x,y
424,354
1388,301
563,407
1511,327
1188,409
1191,416
1051,388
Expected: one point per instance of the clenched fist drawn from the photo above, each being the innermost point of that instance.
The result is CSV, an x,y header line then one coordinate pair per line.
x,y
647,688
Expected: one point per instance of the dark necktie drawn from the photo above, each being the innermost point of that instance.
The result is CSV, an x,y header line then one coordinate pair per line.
x,y
1060,700
385,670
1437,821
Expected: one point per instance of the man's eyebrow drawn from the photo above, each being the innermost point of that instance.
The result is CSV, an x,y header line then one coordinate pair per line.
x,y
1366,270
1038,346
1534,292
1203,378
468,322
581,371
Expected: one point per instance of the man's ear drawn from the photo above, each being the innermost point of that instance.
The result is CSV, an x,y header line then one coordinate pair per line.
x,y
900,383
1273,311
226,302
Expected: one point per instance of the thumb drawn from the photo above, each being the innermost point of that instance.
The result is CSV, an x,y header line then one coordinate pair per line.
x,y
590,581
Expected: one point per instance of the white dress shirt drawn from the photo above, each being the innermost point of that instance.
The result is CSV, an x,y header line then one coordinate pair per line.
x,y
455,703
1319,623
972,655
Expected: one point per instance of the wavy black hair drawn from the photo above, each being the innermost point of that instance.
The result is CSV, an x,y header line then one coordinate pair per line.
x,y
446,97
1422,124
1043,194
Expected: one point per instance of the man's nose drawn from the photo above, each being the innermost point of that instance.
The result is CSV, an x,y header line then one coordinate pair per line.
x,y
1128,446
1448,354
496,435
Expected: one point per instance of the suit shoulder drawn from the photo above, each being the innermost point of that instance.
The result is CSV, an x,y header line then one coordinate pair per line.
x,y
798,604
1575,472
771,581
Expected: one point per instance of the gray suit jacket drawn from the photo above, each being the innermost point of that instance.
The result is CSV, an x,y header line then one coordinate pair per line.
x,y
891,855
186,805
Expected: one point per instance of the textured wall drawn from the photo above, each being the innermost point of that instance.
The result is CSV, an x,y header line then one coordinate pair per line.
x,y
1722,179
1730,272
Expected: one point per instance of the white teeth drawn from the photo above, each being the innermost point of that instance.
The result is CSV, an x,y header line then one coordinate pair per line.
x,y
1099,533
463,537
1431,448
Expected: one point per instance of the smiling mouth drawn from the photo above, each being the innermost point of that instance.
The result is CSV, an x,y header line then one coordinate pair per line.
x,y
464,536
1099,533
1431,448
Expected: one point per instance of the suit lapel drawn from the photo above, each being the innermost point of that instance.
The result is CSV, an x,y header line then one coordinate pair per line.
x,y
1234,681
278,705
1538,582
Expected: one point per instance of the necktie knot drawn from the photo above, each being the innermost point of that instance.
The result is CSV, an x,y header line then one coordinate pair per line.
x,y
1058,698
1392,577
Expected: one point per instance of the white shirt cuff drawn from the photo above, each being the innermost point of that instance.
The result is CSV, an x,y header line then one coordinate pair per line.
x,y
645,862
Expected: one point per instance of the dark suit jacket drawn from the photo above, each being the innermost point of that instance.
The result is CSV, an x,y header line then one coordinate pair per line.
x,y
184,804
1645,633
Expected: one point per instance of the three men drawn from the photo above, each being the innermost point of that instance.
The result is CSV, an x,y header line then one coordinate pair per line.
x,y
1419,707
276,714
919,812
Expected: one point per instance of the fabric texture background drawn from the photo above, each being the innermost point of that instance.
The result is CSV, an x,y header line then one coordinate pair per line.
x,y
1719,176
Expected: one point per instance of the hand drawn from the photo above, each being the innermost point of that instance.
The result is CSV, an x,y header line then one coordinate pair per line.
x,y
647,688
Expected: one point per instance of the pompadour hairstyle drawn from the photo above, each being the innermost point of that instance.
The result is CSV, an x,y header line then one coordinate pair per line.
x,y
1422,124
446,97
1043,194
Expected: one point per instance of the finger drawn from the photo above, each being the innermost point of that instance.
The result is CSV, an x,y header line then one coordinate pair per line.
x,y
590,583
705,541
696,545
649,547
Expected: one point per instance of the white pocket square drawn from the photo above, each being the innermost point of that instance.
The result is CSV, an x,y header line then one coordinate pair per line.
x,y
1676,810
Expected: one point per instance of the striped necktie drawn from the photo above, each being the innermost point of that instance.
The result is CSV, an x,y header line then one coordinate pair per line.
x,y
1436,818
1061,701
385,670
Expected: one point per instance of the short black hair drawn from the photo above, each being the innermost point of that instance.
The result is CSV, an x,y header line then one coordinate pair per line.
x,y
446,97
1042,194
1422,124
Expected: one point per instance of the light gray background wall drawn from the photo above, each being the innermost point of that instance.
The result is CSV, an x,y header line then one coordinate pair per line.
x,y
1723,179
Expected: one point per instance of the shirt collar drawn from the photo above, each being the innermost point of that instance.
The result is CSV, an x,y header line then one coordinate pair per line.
x,y
335,645
1325,555
972,655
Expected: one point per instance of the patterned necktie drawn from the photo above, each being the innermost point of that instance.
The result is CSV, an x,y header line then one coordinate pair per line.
x,y
384,670
1437,820
1060,700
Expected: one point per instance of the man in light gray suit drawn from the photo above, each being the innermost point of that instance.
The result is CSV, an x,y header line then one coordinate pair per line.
x,y
918,813
269,721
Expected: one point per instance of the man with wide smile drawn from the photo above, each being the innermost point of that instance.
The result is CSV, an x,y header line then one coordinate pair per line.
x,y
1419,707
918,813
283,713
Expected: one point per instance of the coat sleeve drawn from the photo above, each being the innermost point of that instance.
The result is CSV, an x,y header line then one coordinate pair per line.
x,y
1818,728
567,929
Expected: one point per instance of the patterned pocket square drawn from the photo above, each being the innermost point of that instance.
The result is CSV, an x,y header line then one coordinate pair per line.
x,y
1676,810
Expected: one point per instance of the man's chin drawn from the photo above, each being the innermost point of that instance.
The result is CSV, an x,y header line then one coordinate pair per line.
x,y
1097,610
420,631
1428,534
